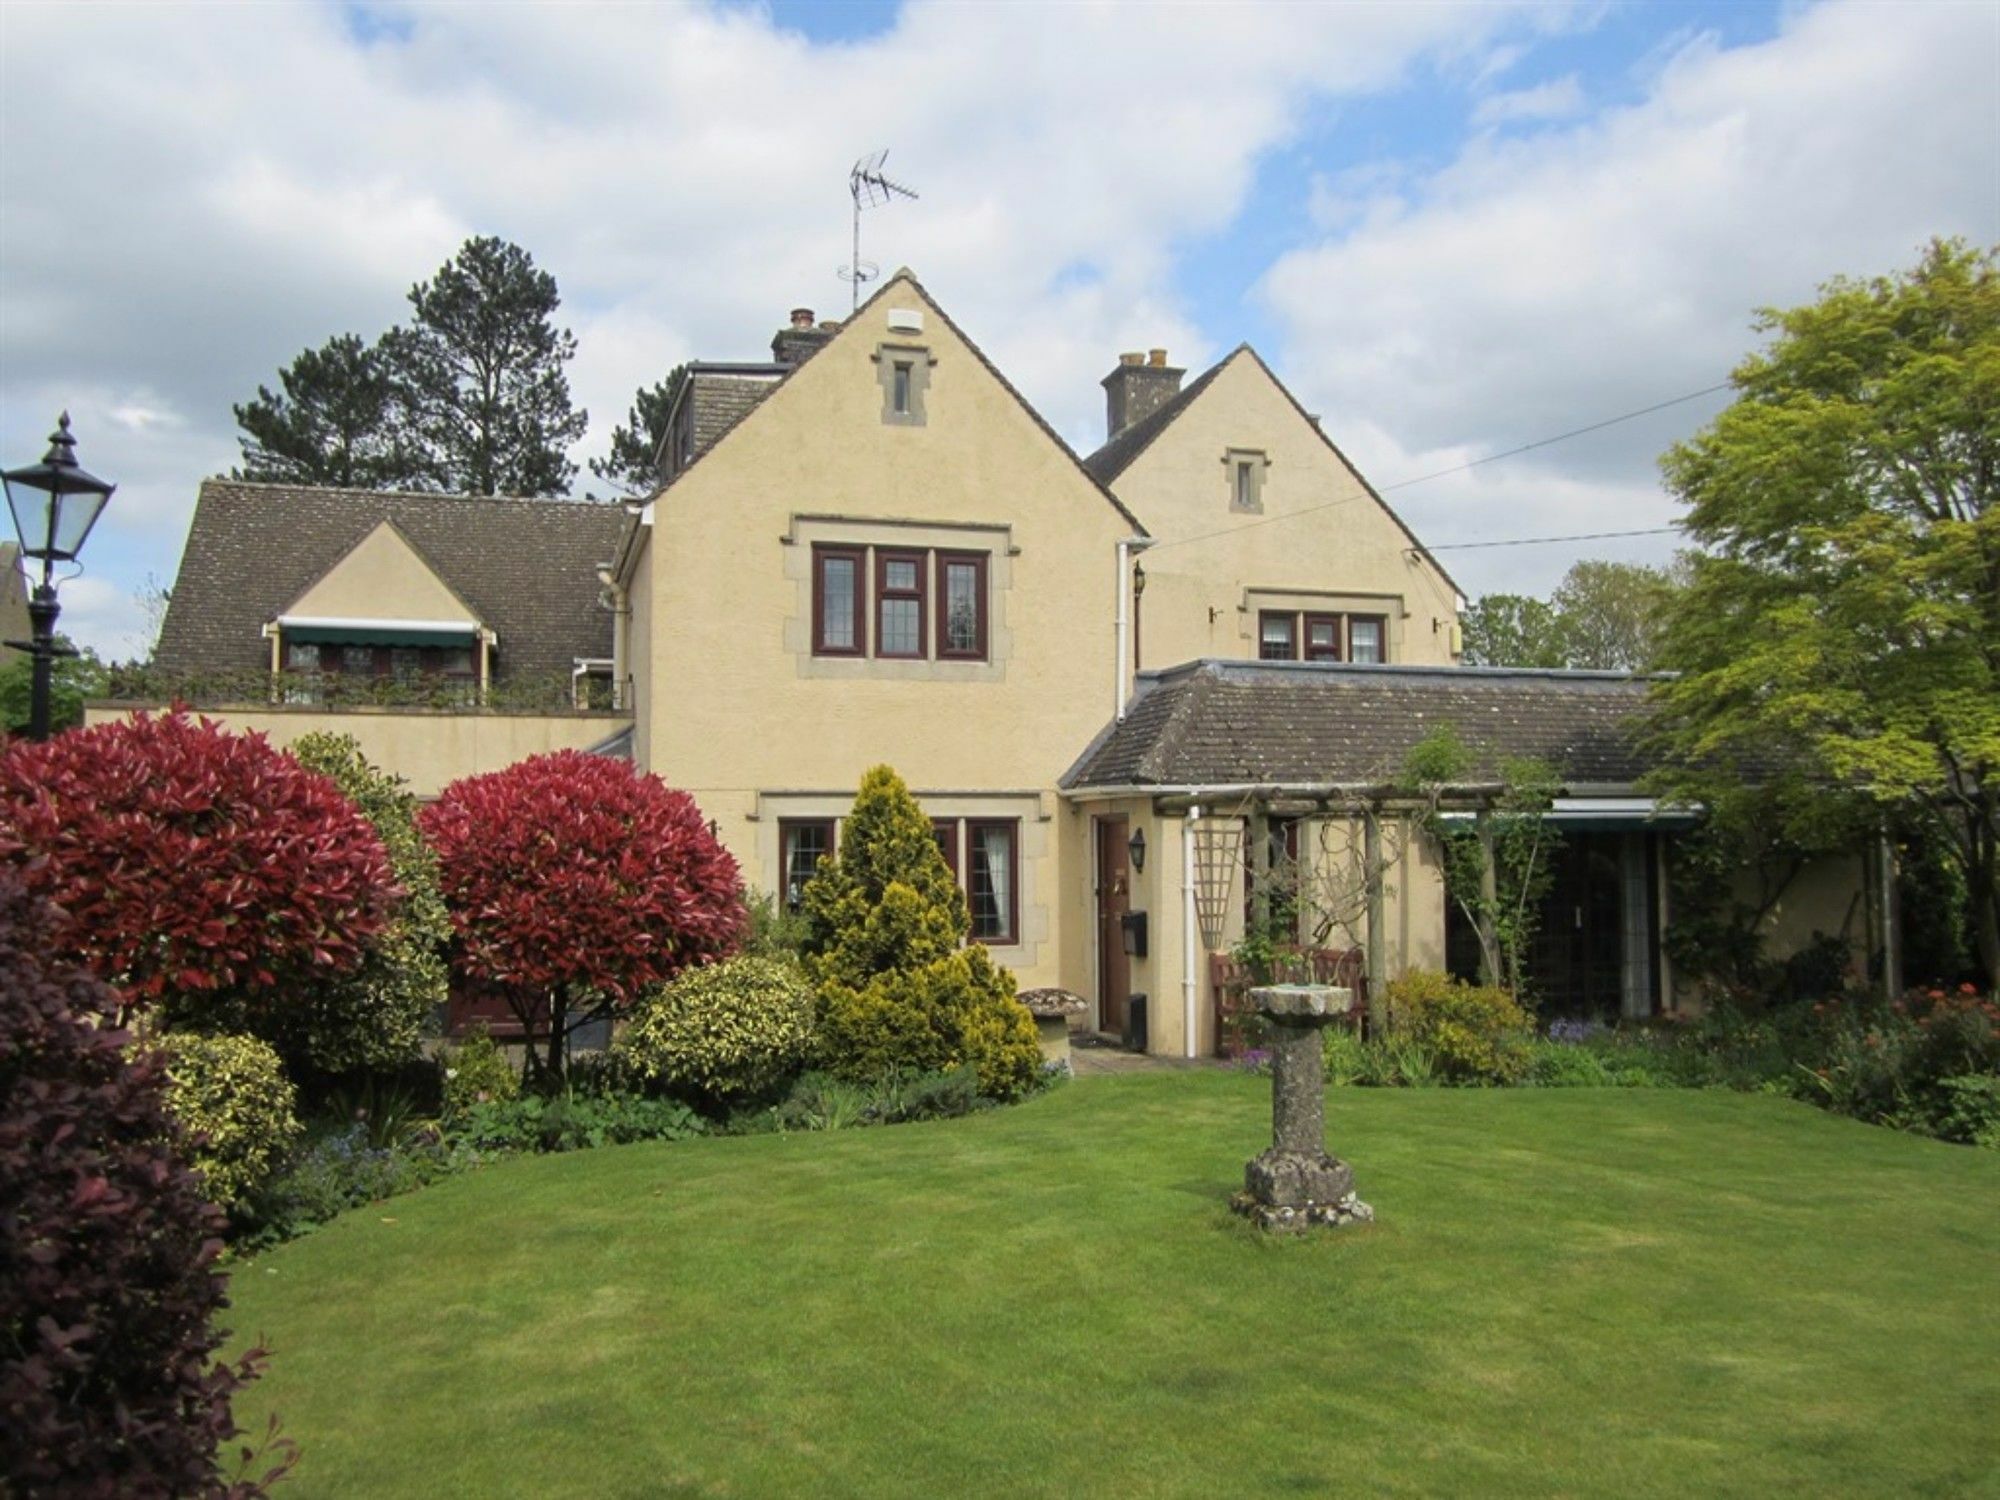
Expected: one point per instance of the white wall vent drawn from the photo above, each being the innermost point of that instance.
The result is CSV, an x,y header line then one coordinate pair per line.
x,y
906,320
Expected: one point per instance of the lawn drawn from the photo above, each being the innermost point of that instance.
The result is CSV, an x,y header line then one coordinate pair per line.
x,y
1568,1292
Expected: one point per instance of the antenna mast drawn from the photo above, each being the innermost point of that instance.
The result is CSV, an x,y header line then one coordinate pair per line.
x,y
869,188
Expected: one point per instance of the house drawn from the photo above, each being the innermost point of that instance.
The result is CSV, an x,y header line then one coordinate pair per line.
x,y
14,622
1127,687
448,634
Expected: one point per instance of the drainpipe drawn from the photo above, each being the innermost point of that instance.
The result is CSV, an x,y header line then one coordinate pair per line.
x,y
612,596
1127,549
1189,917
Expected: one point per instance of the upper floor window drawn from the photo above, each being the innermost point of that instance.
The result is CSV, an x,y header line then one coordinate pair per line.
x,y
837,598
895,586
1285,636
899,394
1364,638
1277,636
899,603
962,605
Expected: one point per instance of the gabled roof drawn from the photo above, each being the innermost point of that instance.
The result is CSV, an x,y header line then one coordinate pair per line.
x,y
1118,455
389,525
1237,723
904,276
526,568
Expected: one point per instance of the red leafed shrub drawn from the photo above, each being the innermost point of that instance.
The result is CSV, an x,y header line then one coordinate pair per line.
x,y
108,1287
575,883
193,865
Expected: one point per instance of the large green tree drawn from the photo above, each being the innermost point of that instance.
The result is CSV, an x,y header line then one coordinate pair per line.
x,y
1843,615
480,369
1612,614
337,419
637,463
1513,630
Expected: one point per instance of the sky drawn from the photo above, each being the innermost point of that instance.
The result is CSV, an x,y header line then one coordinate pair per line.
x,y
1453,229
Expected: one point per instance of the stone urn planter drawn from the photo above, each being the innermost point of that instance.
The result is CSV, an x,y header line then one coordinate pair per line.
x,y
1297,1185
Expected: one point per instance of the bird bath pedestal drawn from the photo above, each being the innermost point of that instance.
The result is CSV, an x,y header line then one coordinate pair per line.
x,y
1296,1185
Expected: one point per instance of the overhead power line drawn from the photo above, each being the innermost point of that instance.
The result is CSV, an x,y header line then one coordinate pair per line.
x,y
1530,541
1561,437
1403,484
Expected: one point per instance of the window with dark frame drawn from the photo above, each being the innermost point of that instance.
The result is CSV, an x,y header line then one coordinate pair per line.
x,y
992,885
802,844
945,831
1322,638
900,387
1284,636
961,631
1364,638
1277,636
838,614
899,604
924,603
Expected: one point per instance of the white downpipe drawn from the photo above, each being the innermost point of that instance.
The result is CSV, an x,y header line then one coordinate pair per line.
x,y
1124,626
1188,920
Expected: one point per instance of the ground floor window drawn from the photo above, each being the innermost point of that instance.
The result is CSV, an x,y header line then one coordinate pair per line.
x,y
983,855
803,843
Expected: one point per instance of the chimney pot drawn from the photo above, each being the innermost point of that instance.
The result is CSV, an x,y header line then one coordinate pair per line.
x,y
802,317
1132,359
1157,358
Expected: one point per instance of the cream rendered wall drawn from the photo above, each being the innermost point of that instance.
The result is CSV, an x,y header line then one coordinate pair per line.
x,y
429,748
639,640
382,578
1351,558
739,713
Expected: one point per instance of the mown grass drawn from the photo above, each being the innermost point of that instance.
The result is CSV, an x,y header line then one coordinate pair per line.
x,y
1569,1292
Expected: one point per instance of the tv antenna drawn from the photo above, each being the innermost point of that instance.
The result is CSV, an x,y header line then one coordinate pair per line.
x,y
869,188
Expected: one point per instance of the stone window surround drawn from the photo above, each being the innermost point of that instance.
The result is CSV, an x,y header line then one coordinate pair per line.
x,y
993,539
917,359
1034,847
1388,607
1259,462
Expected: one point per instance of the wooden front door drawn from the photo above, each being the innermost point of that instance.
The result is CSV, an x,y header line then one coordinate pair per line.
x,y
1114,899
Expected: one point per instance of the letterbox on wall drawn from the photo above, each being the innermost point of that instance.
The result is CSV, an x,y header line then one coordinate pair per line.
x,y
1135,933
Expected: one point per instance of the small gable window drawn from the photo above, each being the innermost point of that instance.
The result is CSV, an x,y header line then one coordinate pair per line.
x,y
1244,469
904,373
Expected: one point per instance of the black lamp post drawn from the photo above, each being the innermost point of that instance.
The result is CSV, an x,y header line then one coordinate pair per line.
x,y
55,503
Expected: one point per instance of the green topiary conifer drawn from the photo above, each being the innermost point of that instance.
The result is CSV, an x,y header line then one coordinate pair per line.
x,y
897,990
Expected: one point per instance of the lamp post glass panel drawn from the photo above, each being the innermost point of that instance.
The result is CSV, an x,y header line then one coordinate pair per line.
x,y
55,503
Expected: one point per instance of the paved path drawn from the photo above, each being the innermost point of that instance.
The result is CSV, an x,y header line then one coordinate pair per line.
x,y
1090,1056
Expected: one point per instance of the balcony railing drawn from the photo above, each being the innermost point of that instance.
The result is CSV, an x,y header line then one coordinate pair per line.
x,y
541,693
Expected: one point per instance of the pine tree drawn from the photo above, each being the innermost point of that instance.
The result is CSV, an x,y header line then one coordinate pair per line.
x,y
481,371
337,420
637,464
897,990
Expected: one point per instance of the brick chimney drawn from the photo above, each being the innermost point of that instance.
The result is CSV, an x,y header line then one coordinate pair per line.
x,y
800,339
1140,386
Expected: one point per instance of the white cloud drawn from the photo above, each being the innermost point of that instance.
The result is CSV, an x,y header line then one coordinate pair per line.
x,y
1537,284
238,186
1558,99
